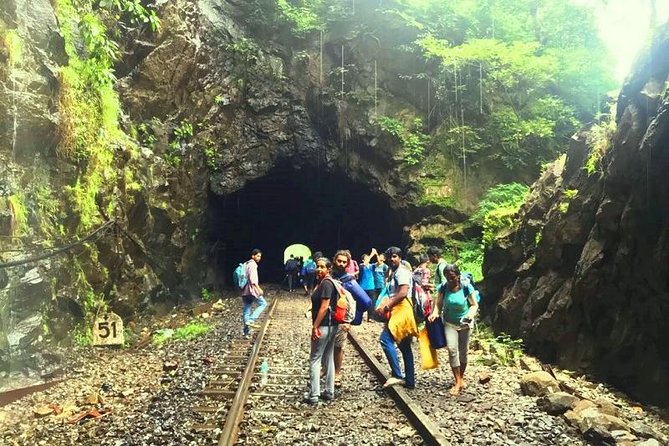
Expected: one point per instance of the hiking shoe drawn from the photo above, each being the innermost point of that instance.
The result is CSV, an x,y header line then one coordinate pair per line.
x,y
327,396
392,381
308,399
406,386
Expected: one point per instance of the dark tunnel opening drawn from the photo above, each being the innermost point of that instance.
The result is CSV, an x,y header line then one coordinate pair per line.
x,y
325,211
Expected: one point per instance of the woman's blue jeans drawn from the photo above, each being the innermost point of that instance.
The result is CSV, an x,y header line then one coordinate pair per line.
x,y
388,346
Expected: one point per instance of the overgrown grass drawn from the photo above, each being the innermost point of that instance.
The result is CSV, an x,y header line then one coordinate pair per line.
x,y
188,332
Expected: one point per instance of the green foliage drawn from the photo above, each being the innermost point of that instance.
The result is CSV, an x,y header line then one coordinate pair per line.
x,y
599,140
244,50
524,73
510,195
181,140
436,192
205,294
413,140
498,208
210,155
135,13
146,135
496,222
89,106
567,196
471,258
570,193
501,350
303,18
82,336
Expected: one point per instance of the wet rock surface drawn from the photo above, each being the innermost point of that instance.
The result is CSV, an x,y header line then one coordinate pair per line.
x,y
583,279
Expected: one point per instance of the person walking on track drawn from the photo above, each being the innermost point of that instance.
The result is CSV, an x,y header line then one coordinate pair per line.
x,y
252,294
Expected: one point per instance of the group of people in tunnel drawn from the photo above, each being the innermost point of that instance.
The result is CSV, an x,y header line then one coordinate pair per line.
x,y
388,286
300,271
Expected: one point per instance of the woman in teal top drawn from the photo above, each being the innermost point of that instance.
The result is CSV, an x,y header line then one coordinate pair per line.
x,y
457,304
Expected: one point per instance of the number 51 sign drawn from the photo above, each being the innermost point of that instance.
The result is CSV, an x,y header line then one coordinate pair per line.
x,y
108,330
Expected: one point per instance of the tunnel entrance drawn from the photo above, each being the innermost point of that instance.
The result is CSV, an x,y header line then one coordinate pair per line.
x,y
325,211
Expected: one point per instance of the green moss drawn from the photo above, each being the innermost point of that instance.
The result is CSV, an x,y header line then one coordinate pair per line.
x,y
496,222
14,45
437,192
16,205
82,336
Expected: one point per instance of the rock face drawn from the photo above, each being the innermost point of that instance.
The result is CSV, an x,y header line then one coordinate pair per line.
x,y
205,110
583,278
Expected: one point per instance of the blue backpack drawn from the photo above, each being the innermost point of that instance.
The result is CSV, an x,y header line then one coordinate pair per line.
x,y
239,276
310,267
467,278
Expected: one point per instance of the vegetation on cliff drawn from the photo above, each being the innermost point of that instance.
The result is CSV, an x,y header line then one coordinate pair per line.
x,y
509,81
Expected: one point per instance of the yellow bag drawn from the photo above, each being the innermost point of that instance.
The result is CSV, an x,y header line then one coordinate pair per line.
x,y
402,322
428,355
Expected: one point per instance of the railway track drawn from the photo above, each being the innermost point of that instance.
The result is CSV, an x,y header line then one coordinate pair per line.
x,y
268,408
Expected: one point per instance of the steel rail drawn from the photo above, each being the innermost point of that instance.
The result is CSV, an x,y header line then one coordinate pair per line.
x,y
424,425
230,430
10,396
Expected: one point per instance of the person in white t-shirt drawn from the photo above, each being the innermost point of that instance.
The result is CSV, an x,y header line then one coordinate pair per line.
x,y
400,281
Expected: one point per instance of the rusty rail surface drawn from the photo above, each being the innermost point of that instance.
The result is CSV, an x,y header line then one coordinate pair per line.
x,y
12,395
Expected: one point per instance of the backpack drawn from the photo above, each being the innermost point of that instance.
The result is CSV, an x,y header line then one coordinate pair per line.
x,y
344,308
239,276
291,265
309,267
467,278
419,298
421,302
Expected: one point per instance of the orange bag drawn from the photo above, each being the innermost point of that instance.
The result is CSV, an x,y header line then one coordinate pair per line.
x,y
428,355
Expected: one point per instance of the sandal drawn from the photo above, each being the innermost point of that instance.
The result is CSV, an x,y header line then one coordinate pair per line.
x,y
337,381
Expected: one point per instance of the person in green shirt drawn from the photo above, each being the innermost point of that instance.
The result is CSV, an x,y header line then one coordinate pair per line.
x,y
434,254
